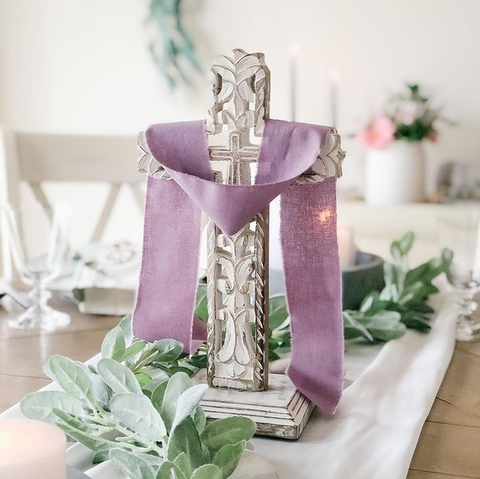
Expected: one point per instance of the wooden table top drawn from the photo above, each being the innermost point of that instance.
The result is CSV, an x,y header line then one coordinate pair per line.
x,y
449,446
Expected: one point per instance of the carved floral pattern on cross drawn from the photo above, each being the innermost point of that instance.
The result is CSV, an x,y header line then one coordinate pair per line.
x,y
236,284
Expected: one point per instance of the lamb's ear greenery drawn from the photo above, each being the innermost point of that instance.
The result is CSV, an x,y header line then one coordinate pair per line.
x,y
207,471
228,457
40,405
230,430
169,470
73,379
132,465
118,377
185,438
114,345
177,384
138,414
133,408
168,350
133,350
126,326
188,403
183,463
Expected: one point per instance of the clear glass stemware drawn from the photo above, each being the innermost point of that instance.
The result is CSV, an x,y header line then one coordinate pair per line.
x,y
461,235
38,243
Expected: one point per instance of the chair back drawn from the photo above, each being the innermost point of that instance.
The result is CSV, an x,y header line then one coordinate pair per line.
x,y
36,158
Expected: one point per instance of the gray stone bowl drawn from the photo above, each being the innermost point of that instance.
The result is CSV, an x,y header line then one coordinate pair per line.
x,y
362,278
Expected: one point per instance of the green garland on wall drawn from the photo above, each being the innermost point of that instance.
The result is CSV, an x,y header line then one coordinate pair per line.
x,y
172,48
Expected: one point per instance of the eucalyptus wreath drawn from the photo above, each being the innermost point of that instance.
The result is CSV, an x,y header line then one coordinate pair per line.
x,y
171,46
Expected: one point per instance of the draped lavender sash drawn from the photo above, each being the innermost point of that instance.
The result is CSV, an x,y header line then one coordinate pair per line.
x,y
168,278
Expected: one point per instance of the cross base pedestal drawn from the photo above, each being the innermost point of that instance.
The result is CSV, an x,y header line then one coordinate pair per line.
x,y
280,411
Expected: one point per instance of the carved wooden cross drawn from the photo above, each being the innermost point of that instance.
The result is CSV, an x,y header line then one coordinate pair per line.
x,y
237,271
238,265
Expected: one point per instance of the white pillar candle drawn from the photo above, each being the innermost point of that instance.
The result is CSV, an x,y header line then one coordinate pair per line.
x,y
346,246
31,450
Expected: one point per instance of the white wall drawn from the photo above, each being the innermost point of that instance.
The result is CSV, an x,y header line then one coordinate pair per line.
x,y
83,65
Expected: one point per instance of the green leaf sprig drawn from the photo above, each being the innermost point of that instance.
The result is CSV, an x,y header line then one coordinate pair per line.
x,y
139,408
403,303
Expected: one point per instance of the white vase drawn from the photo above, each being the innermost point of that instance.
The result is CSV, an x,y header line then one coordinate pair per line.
x,y
395,174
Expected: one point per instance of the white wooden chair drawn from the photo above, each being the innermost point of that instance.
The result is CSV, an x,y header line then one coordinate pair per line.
x,y
36,158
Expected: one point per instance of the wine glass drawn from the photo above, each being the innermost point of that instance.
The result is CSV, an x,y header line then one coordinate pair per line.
x,y
461,235
38,243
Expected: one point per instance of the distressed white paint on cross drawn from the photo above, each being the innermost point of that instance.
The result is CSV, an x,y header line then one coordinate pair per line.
x,y
238,264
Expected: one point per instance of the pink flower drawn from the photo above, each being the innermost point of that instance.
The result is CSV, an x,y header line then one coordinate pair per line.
x,y
378,134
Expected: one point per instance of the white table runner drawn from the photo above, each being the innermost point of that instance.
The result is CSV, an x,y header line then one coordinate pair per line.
x,y
380,416
379,419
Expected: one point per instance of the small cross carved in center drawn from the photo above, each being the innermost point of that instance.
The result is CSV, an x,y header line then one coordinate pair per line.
x,y
238,158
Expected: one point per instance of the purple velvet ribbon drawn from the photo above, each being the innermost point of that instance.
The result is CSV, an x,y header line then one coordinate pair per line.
x,y
168,278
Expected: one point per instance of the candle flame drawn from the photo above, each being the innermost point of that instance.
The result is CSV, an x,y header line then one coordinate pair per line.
x,y
324,216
